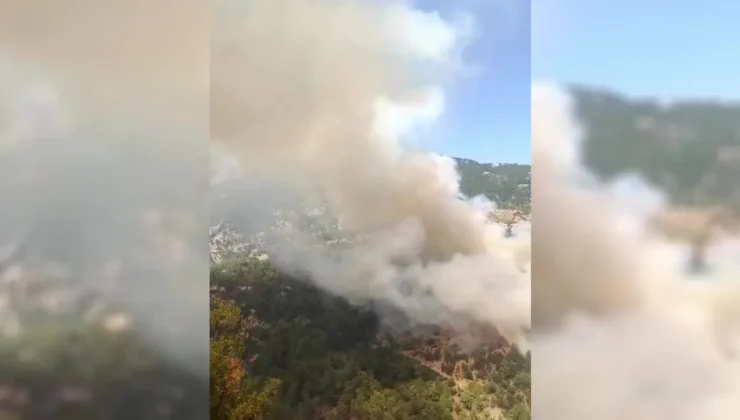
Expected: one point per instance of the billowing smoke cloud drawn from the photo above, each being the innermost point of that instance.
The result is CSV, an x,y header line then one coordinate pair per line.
x,y
297,87
104,134
620,329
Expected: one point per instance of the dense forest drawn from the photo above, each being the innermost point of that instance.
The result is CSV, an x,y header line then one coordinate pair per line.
x,y
690,148
282,349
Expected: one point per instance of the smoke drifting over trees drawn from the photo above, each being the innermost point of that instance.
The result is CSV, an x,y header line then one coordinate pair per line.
x,y
295,91
612,303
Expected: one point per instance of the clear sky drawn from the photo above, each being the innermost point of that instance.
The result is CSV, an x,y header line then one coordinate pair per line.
x,y
668,49
486,115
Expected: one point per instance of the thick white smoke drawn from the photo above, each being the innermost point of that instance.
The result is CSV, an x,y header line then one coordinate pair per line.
x,y
104,134
620,330
296,89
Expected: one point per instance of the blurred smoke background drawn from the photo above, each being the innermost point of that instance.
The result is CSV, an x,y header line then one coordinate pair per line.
x,y
636,241
103,222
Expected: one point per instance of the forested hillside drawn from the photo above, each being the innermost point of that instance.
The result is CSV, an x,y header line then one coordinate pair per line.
x,y
690,149
507,184
282,349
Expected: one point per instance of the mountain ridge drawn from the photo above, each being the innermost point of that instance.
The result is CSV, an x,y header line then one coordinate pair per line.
x,y
688,148
506,184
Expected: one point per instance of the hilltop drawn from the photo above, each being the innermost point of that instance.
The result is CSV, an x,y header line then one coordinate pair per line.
x,y
509,185
688,148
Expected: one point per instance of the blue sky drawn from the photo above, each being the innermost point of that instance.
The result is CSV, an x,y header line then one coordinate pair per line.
x,y
668,49
660,48
487,115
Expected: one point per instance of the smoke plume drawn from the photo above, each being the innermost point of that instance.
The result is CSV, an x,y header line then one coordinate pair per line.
x,y
295,91
104,128
620,330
